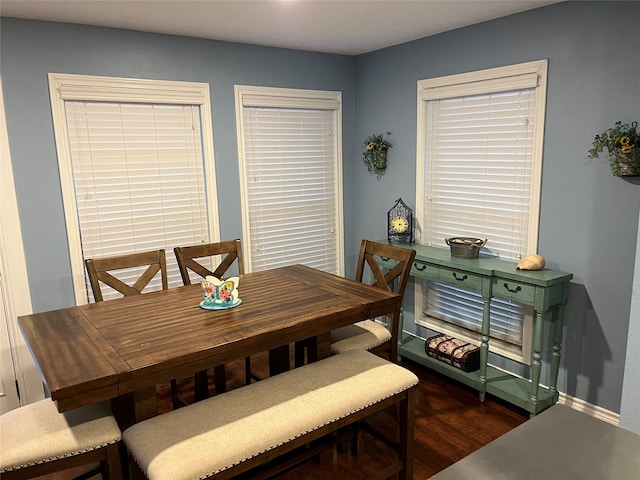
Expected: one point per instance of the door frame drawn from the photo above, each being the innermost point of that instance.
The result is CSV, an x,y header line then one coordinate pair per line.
x,y
15,293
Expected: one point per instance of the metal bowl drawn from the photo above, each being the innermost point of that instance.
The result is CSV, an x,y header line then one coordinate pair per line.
x,y
465,247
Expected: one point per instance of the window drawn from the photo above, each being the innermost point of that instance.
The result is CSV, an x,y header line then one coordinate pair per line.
x,y
136,165
478,170
290,170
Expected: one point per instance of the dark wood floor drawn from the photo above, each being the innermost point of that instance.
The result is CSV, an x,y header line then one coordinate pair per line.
x,y
450,423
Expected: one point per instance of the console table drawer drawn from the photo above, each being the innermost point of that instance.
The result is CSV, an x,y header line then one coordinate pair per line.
x,y
424,270
460,278
510,290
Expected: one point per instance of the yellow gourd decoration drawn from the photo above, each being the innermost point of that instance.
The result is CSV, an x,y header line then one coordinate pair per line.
x,y
532,262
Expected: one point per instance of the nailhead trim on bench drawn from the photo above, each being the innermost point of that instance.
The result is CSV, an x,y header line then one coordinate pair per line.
x,y
186,443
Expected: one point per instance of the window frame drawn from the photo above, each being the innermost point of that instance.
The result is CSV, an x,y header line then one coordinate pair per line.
x,y
289,98
71,87
491,80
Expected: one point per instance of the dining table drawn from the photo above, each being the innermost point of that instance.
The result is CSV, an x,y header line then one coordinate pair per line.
x,y
119,350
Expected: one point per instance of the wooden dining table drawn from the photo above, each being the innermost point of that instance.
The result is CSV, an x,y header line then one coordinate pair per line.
x,y
119,350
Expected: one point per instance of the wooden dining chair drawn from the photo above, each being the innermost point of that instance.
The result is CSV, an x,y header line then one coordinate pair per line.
x,y
187,257
101,271
38,440
199,259
369,334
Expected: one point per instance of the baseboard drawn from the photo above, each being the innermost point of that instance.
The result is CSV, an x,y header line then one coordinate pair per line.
x,y
590,409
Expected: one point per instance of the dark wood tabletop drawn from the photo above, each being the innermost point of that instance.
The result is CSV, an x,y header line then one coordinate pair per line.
x,y
120,349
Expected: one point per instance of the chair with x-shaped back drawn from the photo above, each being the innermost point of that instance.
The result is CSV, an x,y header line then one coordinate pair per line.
x,y
100,269
199,259
100,272
369,334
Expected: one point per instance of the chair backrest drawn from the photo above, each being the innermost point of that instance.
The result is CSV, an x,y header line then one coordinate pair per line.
x,y
396,279
231,249
99,268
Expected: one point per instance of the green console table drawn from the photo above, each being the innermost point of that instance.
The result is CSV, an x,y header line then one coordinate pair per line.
x,y
492,278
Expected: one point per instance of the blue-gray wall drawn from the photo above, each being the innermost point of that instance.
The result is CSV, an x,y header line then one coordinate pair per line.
x,y
589,219
30,50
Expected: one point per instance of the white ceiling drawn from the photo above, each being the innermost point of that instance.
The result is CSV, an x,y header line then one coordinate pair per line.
x,y
349,27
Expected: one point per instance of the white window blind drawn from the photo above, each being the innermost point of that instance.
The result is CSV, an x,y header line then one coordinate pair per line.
x,y
139,179
289,144
479,163
292,187
479,175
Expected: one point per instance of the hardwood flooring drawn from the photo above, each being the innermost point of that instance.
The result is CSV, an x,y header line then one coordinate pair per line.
x,y
450,423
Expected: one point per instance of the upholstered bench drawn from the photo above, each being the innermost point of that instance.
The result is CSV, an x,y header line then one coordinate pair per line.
x,y
258,424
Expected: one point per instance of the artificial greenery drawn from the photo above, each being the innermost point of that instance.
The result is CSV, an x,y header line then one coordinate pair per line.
x,y
375,153
622,142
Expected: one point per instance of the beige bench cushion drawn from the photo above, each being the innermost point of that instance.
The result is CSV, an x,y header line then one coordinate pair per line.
x,y
359,336
210,436
38,433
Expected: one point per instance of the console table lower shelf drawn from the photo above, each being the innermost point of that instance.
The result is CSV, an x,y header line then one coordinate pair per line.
x,y
499,383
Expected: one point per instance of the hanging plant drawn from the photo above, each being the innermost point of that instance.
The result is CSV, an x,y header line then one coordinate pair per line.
x,y
622,142
374,155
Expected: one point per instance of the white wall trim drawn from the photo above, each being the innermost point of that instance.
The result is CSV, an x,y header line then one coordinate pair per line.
x,y
67,87
15,281
590,409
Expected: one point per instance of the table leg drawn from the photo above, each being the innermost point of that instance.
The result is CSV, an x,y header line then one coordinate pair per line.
x,y
323,346
134,407
278,360
129,409
201,385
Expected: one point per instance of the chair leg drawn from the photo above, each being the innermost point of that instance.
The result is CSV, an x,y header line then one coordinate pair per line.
x,y
176,400
248,373
247,370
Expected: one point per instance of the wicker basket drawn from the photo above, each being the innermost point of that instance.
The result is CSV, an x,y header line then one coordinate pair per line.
x,y
465,247
625,164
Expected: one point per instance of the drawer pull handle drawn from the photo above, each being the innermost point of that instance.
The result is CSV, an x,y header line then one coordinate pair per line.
x,y
512,290
464,277
418,267
385,259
